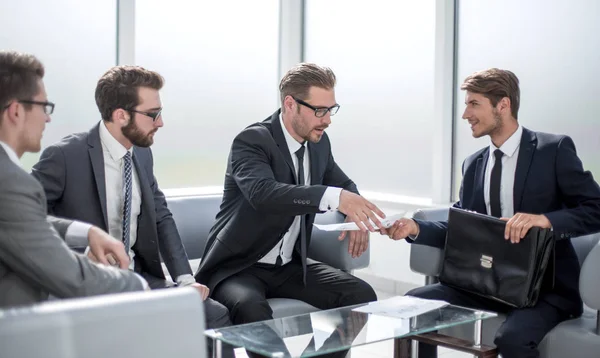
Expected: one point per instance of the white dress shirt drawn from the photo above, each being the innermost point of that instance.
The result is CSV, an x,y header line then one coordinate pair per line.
x,y
113,153
329,202
510,148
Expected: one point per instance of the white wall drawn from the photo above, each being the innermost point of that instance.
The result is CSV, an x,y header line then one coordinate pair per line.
x,y
76,42
554,49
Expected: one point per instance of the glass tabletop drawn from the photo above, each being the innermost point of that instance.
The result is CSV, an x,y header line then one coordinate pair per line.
x,y
328,331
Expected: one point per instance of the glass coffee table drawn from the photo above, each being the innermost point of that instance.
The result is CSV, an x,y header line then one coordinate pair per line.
x,y
337,330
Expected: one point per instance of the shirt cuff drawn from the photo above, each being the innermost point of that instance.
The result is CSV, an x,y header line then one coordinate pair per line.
x,y
76,236
331,199
413,237
185,280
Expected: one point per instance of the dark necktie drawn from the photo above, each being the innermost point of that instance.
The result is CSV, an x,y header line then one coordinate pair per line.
x,y
495,179
300,155
126,199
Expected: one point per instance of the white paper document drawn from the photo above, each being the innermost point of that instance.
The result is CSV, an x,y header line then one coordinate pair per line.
x,y
401,306
387,222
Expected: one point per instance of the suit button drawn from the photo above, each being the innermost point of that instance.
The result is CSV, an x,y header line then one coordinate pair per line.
x,y
295,201
308,201
562,236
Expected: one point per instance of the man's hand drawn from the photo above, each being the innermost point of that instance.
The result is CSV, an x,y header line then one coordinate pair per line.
x,y
104,249
204,291
359,241
401,229
359,210
518,226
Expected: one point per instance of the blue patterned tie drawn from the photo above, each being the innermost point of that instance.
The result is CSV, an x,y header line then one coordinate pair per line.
x,y
126,199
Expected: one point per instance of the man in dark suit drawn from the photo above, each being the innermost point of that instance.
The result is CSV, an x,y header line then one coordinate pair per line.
x,y
105,177
280,173
529,179
34,259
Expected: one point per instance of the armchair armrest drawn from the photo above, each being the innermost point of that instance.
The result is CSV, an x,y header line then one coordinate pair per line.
x,y
589,283
325,247
162,323
427,260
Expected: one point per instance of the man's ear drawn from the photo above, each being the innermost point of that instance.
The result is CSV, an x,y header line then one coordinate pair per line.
x,y
14,112
289,103
504,104
120,116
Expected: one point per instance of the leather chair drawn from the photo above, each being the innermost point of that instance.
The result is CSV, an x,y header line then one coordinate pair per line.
x,y
579,337
161,323
195,215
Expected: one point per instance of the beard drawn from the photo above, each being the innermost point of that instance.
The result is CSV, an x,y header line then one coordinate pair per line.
x,y
303,129
135,135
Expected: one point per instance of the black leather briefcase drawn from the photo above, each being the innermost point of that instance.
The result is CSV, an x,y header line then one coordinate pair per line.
x,y
478,259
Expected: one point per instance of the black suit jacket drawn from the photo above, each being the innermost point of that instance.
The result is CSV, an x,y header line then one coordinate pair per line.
x,y
261,198
72,174
549,180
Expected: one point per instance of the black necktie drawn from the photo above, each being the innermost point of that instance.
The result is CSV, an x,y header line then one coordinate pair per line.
x,y
300,155
495,208
127,200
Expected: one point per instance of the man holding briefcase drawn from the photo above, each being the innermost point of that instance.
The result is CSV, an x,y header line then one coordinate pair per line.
x,y
530,179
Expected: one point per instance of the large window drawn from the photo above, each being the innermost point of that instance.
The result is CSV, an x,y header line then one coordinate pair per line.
x,y
383,55
76,41
219,60
555,52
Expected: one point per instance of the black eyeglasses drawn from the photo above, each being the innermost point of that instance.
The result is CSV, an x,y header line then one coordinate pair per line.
x,y
153,115
319,111
48,106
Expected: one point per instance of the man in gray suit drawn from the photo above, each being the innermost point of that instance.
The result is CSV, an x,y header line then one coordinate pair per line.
x,y
105,177
34,259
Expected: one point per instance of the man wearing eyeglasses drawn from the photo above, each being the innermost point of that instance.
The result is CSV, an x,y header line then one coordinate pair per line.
x,y
34,259
105,177
280,173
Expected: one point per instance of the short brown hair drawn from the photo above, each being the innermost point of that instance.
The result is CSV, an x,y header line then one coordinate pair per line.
x,y
118,88
495,84
298,81
19,77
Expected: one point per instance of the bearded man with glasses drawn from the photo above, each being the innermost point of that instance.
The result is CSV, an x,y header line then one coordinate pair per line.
x,y
105,177
280,173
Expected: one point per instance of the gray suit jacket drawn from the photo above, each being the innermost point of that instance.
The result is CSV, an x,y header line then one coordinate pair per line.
x,y
34,260
72,174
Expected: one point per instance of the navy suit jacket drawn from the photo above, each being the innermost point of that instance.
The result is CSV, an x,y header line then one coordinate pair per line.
x,y
549,180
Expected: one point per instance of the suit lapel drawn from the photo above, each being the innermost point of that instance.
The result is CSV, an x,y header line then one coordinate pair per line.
x,y
478,199
281,143
97,160
314,164
526,150
147,197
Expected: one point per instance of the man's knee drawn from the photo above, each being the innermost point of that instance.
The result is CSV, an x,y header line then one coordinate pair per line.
x,y
217,315
362,294
514,343
248,311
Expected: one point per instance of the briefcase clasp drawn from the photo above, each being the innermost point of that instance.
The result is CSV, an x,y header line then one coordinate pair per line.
x,y
486,261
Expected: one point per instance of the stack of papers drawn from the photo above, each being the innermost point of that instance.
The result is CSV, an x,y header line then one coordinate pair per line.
x,y
401,306
387,222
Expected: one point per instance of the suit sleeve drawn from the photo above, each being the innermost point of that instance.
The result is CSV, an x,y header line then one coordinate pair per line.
x,y
169,241
32,248
50,171
433,233
579,193
252,172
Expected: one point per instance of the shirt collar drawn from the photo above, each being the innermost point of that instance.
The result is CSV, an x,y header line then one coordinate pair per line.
x,y
12,155
292,144
116,150
509,148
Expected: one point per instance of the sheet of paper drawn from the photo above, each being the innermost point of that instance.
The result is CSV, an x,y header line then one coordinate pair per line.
x,y
387,222
401,306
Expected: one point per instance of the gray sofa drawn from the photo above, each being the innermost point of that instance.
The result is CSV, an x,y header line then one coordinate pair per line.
x,y
578,337
162,323
195,215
